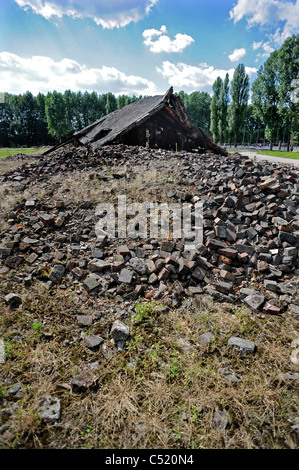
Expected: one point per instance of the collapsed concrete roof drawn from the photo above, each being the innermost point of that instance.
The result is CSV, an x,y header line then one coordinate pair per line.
x,y
159,121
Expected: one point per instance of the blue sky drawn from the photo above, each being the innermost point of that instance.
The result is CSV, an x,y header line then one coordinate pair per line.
x,y
136,47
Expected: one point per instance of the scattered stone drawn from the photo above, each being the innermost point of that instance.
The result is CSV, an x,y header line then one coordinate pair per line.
x,y
220,420
295,356
84,381
97,254
57,273
153,278
243,346
48,219
50,409
205,339
271,285
229,375
125,276
285,289
255,301
120,332
2,351
226,275
224,287
228,252
250,234
84,320
294,309
268,182
184,344
139,265
199,273
92,282
30,241
290,251
15,391
4,251
123,250
292,377
272,309
164,274
93,342
13,300
30,204
99,266
32,258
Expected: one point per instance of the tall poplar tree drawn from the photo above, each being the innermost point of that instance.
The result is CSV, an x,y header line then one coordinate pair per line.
x,y
288,75
265,98
239,92
215,109
56,115
224,102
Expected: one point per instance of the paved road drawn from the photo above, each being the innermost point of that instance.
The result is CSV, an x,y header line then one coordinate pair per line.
x,y
270,158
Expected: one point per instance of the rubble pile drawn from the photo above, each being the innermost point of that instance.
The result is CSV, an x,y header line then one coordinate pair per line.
x,y
250,232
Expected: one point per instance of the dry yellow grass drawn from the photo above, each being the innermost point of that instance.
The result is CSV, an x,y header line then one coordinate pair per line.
x,y
164,389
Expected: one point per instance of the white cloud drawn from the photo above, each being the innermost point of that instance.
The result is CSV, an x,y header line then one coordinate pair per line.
x,y
266,46
111,14
256,45
42,74
267,49
281,14
237,54
158,41
195,78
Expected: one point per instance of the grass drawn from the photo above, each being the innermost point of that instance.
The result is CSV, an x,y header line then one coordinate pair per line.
x,y
7,152
273,153
277,153
157,393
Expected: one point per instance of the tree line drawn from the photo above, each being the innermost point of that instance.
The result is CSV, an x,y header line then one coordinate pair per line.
x,y
273,114
27,120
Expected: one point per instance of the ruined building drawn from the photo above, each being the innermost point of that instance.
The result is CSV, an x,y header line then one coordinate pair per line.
x,y
156,121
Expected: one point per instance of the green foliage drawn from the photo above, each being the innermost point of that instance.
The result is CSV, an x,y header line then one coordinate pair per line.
x,y
9,349
27,120
23,120
174,369
273,92
288,70
57,116
219,108
253,128
224,102
111,103
36,326
216,109
143,311
3,392
198,109
239,92
197,105
265,97
195,414
87,433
